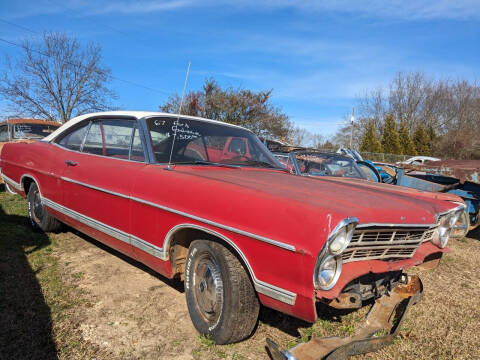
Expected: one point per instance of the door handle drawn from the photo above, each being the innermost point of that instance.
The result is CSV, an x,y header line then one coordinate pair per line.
x,y
71,163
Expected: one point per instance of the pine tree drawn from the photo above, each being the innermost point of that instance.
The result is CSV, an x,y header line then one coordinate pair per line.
x,y
432,138
408,147
421,141
370,142
390,139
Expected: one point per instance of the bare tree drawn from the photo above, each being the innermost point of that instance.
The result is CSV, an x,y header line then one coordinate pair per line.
x,y
449,110
372,108
318,141
299,136
56,79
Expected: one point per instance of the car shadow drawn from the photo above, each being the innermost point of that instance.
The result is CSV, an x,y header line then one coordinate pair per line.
x,y
474,234
25,318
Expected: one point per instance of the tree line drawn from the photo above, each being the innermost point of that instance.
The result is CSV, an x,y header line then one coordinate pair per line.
x,y
416,114
400,141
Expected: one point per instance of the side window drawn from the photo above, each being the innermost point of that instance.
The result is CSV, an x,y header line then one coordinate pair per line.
x,y
73,140
4,133
109,138
136,154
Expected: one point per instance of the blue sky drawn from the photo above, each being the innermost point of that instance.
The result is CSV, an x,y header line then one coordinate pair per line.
x,y
317,56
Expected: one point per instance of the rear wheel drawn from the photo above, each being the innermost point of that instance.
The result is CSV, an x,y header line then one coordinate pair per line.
x,y
220,296
39,216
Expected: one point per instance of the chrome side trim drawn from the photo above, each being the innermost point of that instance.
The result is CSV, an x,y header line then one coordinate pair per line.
x,y
34,180
95,224
221,226
190,216
95,187
262,287
11,182
275,292
148,248
384,225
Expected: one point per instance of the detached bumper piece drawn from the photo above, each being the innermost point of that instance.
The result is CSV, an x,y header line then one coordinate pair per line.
x,y
385,317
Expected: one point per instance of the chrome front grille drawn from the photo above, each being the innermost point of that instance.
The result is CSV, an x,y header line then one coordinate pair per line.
x,y
382,244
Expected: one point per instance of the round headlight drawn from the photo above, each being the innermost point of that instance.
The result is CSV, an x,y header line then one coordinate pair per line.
x,y
444,229
328,272
341,240
339,243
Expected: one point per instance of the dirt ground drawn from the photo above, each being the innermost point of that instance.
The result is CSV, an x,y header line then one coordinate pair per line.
x,y
123,310
136,313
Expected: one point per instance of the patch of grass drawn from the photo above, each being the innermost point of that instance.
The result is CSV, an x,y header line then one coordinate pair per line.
x,y
237,356
347,329
206,340
38,315
325,324
77,276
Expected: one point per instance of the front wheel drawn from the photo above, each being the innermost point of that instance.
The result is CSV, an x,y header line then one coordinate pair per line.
x,y
220,297
39,216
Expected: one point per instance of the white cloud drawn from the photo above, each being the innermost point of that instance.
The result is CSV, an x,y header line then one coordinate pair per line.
x,y
136,7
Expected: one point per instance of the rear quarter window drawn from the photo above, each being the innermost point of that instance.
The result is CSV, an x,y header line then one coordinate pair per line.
x,y
74,139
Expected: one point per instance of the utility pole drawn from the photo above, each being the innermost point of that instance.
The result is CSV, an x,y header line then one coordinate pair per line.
x,y
352,119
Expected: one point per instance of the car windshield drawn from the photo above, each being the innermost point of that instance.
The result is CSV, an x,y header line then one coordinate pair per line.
x,y
205,143
320,164
32,131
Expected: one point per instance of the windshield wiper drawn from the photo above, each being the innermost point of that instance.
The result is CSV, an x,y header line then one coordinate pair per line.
x,y
205,162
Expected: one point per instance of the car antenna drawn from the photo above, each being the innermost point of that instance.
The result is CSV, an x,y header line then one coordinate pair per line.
x,y
169,166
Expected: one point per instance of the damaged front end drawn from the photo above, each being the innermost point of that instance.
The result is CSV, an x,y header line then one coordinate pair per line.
x,y
381,325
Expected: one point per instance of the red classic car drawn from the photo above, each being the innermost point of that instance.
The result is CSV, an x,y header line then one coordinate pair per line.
x,y
240,230
24,130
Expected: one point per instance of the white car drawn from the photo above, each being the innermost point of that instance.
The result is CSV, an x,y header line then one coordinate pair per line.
x,y
419,160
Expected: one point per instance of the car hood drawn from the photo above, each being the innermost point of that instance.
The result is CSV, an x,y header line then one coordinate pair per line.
x,y
335,197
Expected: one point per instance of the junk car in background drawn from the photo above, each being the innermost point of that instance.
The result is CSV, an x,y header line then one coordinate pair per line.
x,y
458,177
312,162
24,130
205,202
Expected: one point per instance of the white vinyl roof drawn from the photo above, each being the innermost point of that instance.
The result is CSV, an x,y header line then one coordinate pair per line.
x,y
135,114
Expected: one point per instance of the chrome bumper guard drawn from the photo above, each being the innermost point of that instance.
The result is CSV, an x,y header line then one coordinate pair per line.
x,y
386,315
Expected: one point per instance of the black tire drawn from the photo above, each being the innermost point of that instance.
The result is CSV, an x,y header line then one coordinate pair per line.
x,y
40,219
232,313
